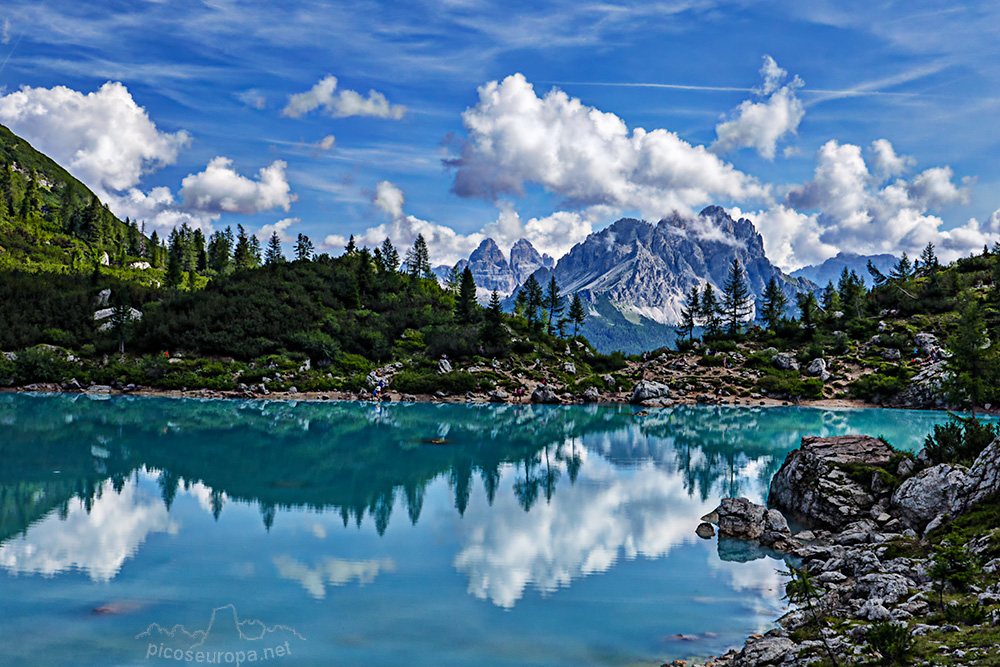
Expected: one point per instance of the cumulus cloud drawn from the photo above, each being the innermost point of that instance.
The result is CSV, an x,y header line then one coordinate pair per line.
x,y
846,205
264,233
760,124
585,155
341,104
554,234
220,189
104,138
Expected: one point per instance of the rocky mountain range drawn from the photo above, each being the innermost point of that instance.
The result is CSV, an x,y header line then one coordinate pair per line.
x,y
635,274
830,270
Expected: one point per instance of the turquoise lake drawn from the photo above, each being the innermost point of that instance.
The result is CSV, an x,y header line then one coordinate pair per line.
x,y
147,531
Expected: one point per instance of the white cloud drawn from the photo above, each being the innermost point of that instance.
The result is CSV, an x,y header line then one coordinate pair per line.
x,y
845,205
554,234
220,189
264,233
585,155
327,142
252,98
762,124
885,162
103,138
340,105
5,32
158,209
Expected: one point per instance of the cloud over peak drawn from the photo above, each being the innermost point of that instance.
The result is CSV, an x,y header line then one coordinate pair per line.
x,y
587,156
341,104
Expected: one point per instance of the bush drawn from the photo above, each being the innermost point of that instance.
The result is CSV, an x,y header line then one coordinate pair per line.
x,y
351,364
891,641
787,383
960,440
608,363
40,365
722,346
888,380
411,382
965,613
716,360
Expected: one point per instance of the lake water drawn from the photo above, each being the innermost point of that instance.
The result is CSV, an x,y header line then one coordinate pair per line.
x,y
144,531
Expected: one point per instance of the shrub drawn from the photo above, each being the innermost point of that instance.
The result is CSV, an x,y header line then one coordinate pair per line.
x,y
350,364
39,365
608,363
888,380
960,440
891,641
411,382
965,613
715,360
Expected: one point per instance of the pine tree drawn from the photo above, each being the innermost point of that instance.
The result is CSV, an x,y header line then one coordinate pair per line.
x,y
255,252
775,302
154,247
808,310
737,304
466,303
454,281
492,330
418,260
220,251
689,314
903,270
242,257
577,313
532,299
521,302
851,290
830,299
973,363
303,248
175,260
200,256
554,303
6,192
29,201
709,312
351,247
929,264
389,255
273,255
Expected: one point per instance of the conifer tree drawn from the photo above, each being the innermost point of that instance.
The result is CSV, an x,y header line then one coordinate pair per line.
x,y
851,290
466,303
577,313
928,261
418,260
6,192
973,363
808,310
220,251
521,302
351,247
454,281
903,270
200,256
709,312
175,260
737,304
554,303
304,248
492,331
242,257
273,255
689,314
830,300
390,258
533,297
774,304
255,251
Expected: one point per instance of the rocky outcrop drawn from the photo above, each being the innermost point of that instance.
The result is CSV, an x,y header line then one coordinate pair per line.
x,y
785,361
932,493
984,476
647,390
813,485
591,395
545,395
925,389
499,396
816,367
525,260
444,366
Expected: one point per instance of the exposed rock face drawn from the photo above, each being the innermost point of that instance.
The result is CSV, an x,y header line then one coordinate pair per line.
x,y
569,367
816,367
491,269
525,260
929,494
545,395
647,390
891,354
984,476
444,366
928,343
812,486
925,389
785,361
765,651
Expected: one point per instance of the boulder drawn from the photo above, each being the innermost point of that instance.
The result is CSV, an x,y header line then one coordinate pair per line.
x,y
925,389
928,343
103,297
816,367
569,367
499,396
933,492
812,485
891,354
444,366
889,588
544,395
764,651
591,395
408,398
647,390
98,389
607,379
740,518
785,361
705,530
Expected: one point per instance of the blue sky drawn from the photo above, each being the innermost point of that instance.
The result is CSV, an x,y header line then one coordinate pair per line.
x,y
867,127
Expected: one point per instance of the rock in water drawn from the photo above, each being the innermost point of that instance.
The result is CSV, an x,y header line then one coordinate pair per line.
x,y
544,395
705,530
647,390
812,485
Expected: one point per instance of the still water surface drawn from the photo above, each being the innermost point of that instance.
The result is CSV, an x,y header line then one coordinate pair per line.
x,y
144,531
